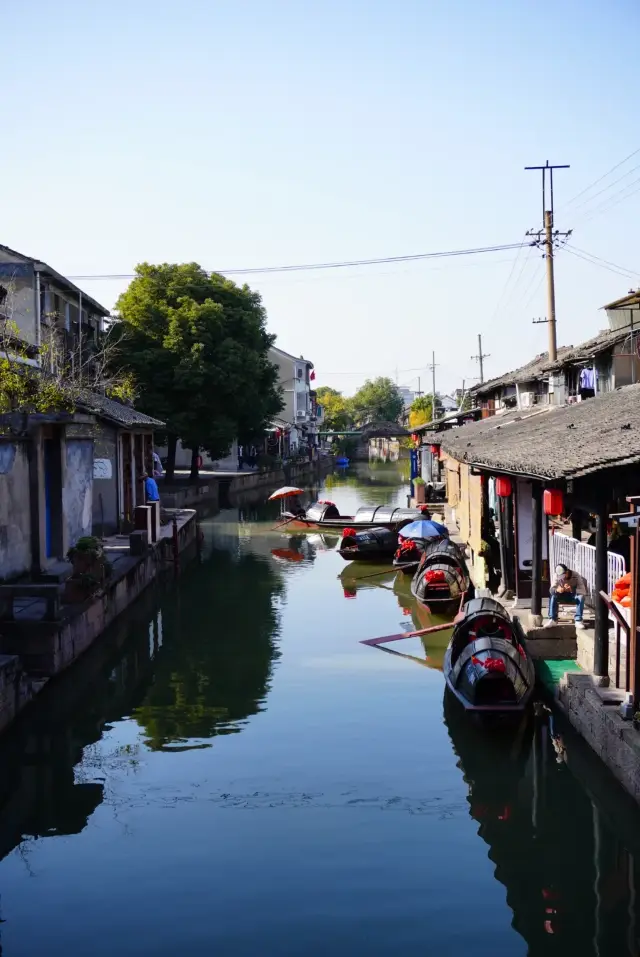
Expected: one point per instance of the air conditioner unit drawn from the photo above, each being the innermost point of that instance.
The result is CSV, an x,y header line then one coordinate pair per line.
x,y
301,415
527,399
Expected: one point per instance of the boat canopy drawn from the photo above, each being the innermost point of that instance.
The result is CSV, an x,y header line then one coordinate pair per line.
x,y
321,511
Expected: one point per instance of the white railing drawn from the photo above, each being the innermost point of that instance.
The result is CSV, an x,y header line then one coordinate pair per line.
x,y
581,558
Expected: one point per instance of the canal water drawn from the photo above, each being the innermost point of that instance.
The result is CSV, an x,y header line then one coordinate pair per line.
x,y
232,772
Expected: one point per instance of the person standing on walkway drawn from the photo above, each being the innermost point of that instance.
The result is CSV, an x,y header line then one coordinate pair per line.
x,y
151,492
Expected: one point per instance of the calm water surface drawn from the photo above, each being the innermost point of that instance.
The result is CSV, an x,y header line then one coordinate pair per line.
x,y
231,772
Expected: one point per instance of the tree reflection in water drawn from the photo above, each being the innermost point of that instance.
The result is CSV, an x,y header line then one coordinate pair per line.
x,y
217,659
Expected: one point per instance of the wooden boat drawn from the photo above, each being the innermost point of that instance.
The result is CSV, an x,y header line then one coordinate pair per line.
x,y
370,544
409,554
486,666
442,578
325,515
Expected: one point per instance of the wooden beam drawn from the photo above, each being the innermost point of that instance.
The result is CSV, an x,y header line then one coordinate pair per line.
x,y
536,548
601,641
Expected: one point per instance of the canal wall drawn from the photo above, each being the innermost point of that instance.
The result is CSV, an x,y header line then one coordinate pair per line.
x,y
220,487
40,640
595,715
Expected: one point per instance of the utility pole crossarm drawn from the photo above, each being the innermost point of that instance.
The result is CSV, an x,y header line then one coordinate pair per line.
x,y
547,217
480,358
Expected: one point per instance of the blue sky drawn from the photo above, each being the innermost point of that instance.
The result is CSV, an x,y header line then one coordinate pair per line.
x,y
263,132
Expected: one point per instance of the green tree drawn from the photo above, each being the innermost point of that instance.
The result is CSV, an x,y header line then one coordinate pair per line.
x,y
421,411
198,347
377,400
336,409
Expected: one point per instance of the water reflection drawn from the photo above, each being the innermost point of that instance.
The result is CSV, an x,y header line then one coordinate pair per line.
x,y
346,802
570,881
216,667
42,794
377,483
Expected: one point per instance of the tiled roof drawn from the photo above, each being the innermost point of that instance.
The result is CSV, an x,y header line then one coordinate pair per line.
x,y
118,412
568,442
540,366
62,280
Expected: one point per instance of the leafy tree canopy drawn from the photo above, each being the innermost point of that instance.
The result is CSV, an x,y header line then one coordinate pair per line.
x,y
421,410
377,400
337,411
198,347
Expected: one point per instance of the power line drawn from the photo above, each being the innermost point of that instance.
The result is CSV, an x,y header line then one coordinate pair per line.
x,y
617,198
607,262
600,178
336,265
605,189
594,262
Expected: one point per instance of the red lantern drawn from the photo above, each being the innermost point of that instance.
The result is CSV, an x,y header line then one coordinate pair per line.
x,y
415,437
503,486
435,449
553,501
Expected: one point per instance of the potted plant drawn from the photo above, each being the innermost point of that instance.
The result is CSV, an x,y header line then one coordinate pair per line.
x,y
420,489
90,569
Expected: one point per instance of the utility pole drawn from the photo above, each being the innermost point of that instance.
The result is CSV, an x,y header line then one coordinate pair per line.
x,y
433,386
480,357
419,392
547,243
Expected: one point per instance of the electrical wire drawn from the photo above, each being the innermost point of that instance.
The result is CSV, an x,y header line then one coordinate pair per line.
x,y
600,179
607,205
506,285
336,265
594,262
606,189
607,262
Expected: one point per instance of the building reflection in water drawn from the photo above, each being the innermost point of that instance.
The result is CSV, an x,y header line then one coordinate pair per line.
x,y
570,879
184,670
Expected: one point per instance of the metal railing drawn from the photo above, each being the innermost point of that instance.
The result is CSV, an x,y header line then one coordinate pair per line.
x,y
581,558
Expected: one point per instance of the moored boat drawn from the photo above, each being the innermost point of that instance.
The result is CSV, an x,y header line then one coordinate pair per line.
x,y
486,665
371,544
325,515
442,578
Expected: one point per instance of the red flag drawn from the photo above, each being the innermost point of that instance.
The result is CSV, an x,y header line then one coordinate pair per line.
x,y
312,376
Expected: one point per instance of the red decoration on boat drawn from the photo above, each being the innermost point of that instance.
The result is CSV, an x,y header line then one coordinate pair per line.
x,y
503,486
349,592
423,509
553,501
348,532
490,664
434,575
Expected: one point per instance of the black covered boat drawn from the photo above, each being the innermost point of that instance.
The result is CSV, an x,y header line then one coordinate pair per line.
x,y
486,665
325,515
369,544
409,553
442,578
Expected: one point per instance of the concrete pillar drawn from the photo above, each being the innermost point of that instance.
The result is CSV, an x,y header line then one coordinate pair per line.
x,y
536,551
601,644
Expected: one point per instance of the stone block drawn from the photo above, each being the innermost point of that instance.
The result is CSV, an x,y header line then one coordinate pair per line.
x,y
139,542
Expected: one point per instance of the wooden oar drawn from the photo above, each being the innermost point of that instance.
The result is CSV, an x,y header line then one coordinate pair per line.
x,y
362,578
407,634
282,524
413,634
